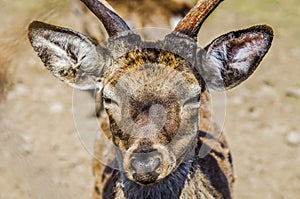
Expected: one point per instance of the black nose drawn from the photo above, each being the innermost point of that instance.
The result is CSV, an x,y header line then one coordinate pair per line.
x,y
145,162
144,166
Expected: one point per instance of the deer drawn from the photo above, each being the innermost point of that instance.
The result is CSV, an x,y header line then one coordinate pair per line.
x,y
155,98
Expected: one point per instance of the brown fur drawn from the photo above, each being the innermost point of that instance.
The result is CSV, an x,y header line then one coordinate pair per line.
x,y
164,143
202,182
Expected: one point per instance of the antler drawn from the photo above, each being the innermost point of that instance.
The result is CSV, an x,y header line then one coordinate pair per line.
x,y
192,22
112,22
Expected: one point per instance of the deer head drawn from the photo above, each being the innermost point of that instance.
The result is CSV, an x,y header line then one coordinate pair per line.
x,y
151,90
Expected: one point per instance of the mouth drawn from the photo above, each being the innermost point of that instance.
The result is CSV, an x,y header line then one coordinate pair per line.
x,y
145,179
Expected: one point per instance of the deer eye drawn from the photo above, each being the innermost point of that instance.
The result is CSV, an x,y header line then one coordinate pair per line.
x,y
194,102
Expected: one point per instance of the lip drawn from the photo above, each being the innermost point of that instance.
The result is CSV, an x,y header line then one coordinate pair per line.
x,y
148,178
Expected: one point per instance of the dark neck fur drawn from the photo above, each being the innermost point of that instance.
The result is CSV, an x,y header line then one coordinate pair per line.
x,y
168,188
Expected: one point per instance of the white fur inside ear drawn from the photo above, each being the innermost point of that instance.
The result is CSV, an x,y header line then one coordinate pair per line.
x,y
212,67
241,58
216,59
233,57
70,56
240,62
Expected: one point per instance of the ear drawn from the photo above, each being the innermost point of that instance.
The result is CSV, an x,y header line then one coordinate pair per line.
x,y
232,58
68,55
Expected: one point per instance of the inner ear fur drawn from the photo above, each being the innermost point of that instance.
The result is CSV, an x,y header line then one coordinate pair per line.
x,y
233,57
68,55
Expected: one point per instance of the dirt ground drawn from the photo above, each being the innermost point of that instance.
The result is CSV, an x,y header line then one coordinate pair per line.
x,y
43,157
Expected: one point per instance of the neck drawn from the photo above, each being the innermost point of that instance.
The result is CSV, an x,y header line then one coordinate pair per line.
x,y
170,187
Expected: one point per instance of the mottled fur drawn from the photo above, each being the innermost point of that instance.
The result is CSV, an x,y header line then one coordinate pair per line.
x,y
153,101
207,177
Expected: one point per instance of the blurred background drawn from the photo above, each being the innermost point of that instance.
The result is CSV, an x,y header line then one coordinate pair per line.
x,y
41,155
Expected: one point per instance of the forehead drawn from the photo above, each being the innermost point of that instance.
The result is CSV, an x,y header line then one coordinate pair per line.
x,y
151,69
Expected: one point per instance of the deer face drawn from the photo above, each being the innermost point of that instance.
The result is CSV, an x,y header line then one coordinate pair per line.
x,y
151,91
152,120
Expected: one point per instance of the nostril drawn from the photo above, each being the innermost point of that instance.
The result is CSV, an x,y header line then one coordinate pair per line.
x,y
134,164
157,163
